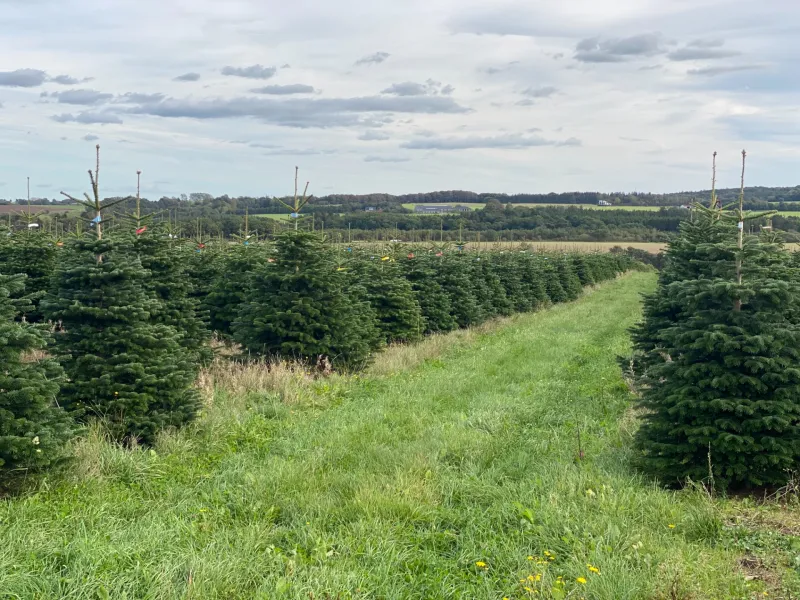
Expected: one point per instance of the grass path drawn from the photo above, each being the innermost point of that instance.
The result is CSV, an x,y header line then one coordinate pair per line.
x,y
454,480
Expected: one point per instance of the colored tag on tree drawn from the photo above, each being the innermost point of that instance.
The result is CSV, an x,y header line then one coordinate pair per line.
x,y
410,255
438,254
141,230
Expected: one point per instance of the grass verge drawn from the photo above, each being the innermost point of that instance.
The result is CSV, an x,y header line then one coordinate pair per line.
x,y
489,464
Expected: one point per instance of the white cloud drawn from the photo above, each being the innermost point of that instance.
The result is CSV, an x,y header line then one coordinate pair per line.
x,y
171,99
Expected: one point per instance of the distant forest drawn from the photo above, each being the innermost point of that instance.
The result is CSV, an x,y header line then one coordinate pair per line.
x,y
383,216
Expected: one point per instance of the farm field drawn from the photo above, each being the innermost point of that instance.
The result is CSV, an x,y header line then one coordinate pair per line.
x,y
480,205
566,246
449,470
72,209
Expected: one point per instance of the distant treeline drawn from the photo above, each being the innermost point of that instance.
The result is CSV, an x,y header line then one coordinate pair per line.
x,y
503,217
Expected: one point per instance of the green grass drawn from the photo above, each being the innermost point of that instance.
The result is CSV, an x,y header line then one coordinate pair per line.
x,y
391,485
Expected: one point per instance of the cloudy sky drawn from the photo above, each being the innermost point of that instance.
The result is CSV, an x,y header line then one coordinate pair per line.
x,y
397,96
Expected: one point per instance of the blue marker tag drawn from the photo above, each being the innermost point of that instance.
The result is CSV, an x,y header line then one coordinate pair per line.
x,y
96,219
294,215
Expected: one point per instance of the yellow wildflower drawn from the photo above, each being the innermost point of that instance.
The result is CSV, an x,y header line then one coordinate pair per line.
x,y
527,589
581,580
671,526
594,569
480,564
531,578
530,558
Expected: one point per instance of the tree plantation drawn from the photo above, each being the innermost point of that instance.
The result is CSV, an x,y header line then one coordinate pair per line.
x,y
116,327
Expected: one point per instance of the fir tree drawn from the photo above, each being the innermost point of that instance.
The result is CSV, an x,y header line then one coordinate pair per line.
x,y
399,317
434,301
552,281
169,281
583,269
120,365
722,358
724,383
453,273
33,428
34,254
511,275
229,289
569,279
298,307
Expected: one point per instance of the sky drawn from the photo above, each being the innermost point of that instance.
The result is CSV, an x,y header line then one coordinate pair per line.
x,y
537,96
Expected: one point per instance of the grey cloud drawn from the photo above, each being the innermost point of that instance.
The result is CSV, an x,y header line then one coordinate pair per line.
x,y
496,70
284,90
373,59
632,139
544,91
24,78
89,118
714,43
188,77
67,80
386,159
651,67
407,88
302,112
90,138
81,97
558,56
374,136
509,141
597,50
286,66
713,71
700,54
139,98
447,90
298,152
252,72
525,102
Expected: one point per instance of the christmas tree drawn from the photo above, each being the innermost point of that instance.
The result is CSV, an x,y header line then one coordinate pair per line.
x,y
33,428
552,281
583,269
569,279
392,298
33,253
454,276
298,307
722,354
228,291
120,366
171,284
435,303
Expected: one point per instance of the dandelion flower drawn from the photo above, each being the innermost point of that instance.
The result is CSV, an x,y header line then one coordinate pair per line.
x,y
671,526
531,578
594,570
527,589
480,564
530,558
581,580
